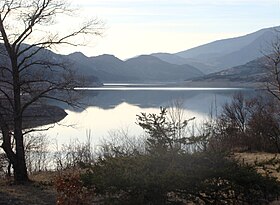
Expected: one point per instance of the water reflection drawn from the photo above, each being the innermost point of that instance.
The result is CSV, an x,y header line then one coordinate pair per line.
x,y
108,99
112,110
101,121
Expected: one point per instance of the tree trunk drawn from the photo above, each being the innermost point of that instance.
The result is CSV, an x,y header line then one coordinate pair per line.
x,y
20,173
16,159
7,144
20,169
9,173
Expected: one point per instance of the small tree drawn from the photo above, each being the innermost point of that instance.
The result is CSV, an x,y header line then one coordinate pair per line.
x,y
264,125
27,72
166,133
233,121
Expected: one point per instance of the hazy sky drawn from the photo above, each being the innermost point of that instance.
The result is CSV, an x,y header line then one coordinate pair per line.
x,y
136,27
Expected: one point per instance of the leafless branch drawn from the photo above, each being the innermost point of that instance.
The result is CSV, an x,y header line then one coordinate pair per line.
x,y
8,97
38,129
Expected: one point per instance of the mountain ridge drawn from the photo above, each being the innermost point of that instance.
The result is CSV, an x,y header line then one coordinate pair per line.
x,y
213,57
225,53
194,63
143,68
252,72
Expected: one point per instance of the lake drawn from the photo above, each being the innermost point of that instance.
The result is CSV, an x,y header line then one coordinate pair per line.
x,y
114,107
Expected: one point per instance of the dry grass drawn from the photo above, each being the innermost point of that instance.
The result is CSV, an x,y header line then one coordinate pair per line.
x,y
265,163
38,192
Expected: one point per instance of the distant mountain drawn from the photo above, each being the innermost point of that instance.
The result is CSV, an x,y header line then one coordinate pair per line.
x,y
251,72
50,65
223,54
234,54
108,68
229,58
221,47
247,53
150,68
175,59
171,58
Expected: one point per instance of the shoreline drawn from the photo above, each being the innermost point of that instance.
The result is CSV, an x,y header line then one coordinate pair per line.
x,y
228,84
185,84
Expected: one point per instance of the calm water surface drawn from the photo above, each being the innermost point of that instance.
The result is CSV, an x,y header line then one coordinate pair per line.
x,y
115,106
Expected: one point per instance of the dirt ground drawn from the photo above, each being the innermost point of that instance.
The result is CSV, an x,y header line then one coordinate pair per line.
x,y
27,194
38,192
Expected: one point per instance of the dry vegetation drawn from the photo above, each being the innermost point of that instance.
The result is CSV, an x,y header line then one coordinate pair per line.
x,y
39,192
43,192
265,163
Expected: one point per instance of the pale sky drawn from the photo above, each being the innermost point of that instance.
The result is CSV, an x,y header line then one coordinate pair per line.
x,y
135,27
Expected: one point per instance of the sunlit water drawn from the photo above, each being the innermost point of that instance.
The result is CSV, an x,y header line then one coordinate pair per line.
x,y
115,106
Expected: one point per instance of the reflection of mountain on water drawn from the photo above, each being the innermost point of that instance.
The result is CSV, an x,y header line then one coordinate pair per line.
x,y
193,99
143,99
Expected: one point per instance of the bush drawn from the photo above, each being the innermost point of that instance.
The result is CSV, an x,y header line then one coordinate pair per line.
x,y
168,173
71,190
4,164
209,178
248,125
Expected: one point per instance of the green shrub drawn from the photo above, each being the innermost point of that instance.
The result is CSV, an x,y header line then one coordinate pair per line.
x,y
210,178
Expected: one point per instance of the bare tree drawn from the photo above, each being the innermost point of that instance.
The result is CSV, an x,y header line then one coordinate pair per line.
x,y
232,123
272,64
236,112
121,143
74,154
27,72
38,155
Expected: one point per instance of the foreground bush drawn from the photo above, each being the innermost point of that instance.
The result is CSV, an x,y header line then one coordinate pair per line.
x,y
203,178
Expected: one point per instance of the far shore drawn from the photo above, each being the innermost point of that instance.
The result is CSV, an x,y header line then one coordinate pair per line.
x,y
224,84
189,84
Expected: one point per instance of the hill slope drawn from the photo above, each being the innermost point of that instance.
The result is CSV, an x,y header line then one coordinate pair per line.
x,y
150,68
226,53
253,71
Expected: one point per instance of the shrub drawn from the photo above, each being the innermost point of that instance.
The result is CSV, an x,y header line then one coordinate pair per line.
x,y
210,178
248,125
71,190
